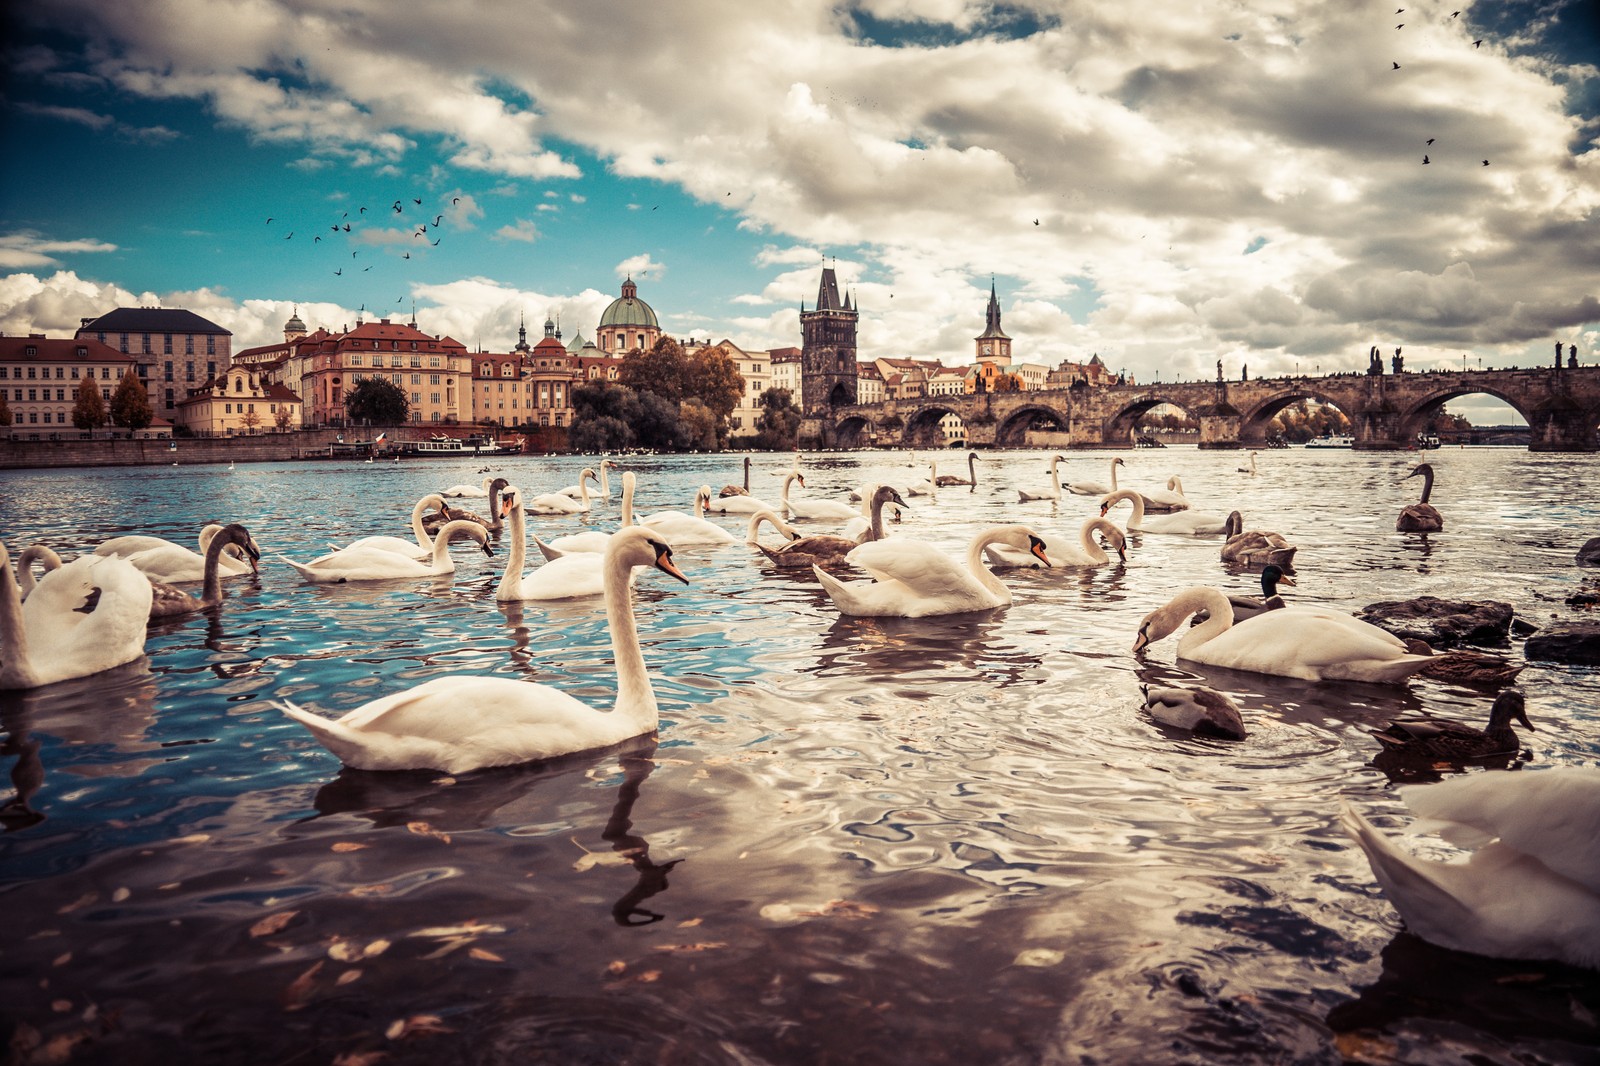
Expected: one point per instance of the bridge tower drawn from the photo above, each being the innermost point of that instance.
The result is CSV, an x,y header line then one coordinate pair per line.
x,y
827,349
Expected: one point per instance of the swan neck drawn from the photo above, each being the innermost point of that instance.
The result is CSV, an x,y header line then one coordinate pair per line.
x,y
981,572
635,698
876,526
1214,603
1427,483
1055,475
211,590
627,502
424,541
1132,497
1087,542
518,554
14,666
1114,475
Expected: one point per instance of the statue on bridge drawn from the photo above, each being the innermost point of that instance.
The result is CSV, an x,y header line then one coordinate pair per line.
x,y
1374,361
1558,355
1572,357
1219,371
1399,363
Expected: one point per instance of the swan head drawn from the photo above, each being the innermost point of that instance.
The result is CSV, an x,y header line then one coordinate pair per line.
x,y
1234,524
608,463
1118,461
1023,539
462,528
235,534
510,500
888,494
640,546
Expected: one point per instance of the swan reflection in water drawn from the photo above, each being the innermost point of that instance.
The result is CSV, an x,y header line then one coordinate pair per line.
x,y
478,800
891,648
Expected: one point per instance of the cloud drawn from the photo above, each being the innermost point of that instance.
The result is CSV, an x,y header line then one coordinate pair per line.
x,y
29,250
639,266
522,230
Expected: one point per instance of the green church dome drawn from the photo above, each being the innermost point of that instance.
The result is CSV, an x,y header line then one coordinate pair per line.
x,y
629,311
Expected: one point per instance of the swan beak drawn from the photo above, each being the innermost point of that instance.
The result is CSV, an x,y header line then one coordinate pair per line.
x,y
1141,641
488,549
1036,549
664,563
1104,507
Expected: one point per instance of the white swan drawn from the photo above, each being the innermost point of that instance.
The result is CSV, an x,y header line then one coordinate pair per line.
x,y
814,509
1305,642
469,490
1055,481
378,565
1191,523
1531,889
560,502
462,723
421,549
1251,469
928,486
605,482
915,579
1421,517
87,616
1064,551
174,563
592,540
169,601
681,530
567,577
163,559
1095,488
1170,498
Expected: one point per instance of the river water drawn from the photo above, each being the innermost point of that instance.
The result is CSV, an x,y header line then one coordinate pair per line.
x,y
923,841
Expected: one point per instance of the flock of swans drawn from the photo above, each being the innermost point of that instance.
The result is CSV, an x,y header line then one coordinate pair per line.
x,y
90,614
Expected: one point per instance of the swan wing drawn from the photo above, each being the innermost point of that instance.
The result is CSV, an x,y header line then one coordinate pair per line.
x,y
920,566
567,578
86,616
1309,643
1552,815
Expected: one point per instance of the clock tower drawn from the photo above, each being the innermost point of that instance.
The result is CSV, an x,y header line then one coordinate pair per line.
x,y
993,346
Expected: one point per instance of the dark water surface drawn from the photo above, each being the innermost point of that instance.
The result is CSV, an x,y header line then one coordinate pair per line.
x,y
858,841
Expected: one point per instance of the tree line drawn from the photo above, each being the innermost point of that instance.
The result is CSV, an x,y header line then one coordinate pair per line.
x,y
128,408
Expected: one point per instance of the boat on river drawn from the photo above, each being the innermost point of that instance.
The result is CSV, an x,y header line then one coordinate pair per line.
x,y
1343,440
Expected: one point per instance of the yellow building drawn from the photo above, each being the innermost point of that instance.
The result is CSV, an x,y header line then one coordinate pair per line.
x,y
238,402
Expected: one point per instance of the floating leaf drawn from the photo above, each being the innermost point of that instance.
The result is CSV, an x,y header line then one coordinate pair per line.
x,y
426,830
417,1023
81,902
349,845
376,948
690,923
193,838
372,890
61,960
686,949
272,923
473,928
649,977
298,994
615,967
344,951
347,978
1042,957
485,954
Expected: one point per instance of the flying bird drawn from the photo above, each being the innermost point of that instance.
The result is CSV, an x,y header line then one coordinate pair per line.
x,y
653,208
1397,66
436,219
1477,42
336,273
1430,140
1424,160
1401,26
269,221
1035,222
436,244
415,201
347,227
335,228
397,207
456,200
316,240
291,234
406,256
1485,162
363,211
1453,14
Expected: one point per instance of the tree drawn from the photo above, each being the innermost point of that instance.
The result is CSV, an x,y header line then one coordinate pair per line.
x,y
713,378
130,404
779,422
5,409
250,420
698,426
603,416
90,410
377,400
657,424
662,370
283,417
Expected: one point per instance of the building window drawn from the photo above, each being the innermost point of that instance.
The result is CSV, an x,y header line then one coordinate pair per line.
x,y
169,370
75,373
211,370
188,344
211,346
124,344
227,408
169,397
147,344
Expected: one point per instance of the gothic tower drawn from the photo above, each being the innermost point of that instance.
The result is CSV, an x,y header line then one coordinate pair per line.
x,y
827,349
994,346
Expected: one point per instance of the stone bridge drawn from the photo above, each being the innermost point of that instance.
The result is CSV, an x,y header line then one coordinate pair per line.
x,y
1562,408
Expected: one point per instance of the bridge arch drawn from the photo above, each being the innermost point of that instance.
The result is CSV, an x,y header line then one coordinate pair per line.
x,y
1416,414
852,431
1012,432
1123,426
1254,420
922,426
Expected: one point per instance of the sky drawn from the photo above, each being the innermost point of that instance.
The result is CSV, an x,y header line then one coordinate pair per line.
x,y
1278,184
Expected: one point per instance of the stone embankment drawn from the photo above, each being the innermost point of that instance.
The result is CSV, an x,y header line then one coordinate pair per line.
x,y
262,448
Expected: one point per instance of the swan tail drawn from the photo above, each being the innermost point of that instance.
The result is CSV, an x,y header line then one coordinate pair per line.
x,y
304,571
550,554
837,591
330,734
1430,909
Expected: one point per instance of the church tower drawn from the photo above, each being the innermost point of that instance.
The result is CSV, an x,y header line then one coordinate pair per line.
x,y
993,346
827,349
